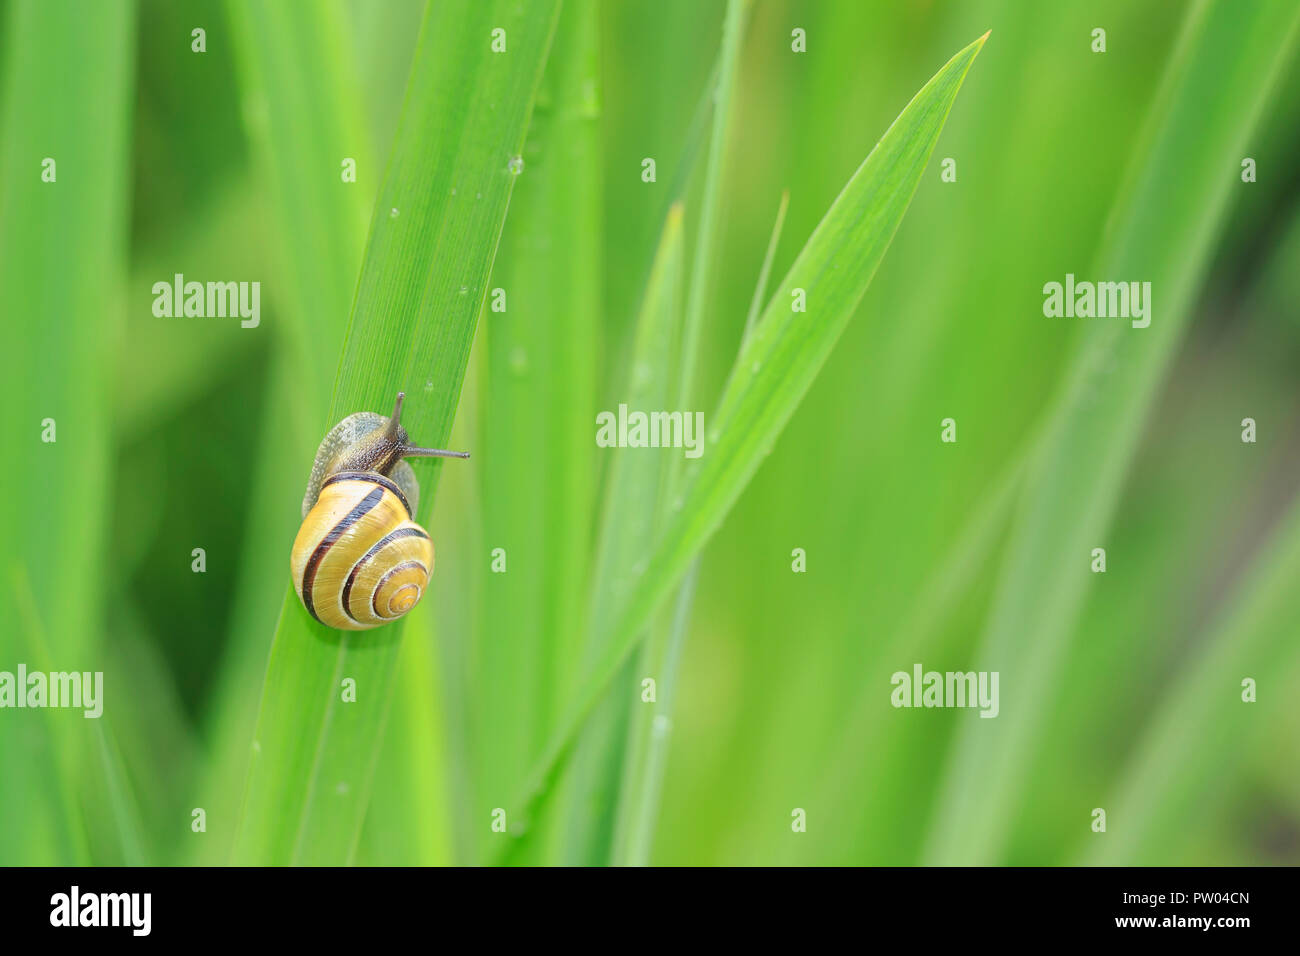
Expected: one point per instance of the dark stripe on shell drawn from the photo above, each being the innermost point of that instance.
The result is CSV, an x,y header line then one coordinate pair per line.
x,y
388,574
375,478
382,543
336,532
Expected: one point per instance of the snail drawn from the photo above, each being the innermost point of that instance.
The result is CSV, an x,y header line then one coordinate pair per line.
x,y
359,559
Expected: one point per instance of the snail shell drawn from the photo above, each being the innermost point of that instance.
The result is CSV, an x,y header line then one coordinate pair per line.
x,y
359,559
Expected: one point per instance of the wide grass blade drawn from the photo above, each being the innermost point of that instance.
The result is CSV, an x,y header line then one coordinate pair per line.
x,y
777,365
1161,231
411,785
66,98
411,780
304,123
423,280
538,404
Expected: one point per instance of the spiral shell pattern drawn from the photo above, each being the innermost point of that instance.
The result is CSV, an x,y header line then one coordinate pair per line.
x,y
359,560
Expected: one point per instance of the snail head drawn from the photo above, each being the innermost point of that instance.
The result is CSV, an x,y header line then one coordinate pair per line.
x,y
383,448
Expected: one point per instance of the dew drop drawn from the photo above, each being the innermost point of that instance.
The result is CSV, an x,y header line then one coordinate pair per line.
x,y
464,289
478,195
342,788
453,190
516,165
428,386
393,213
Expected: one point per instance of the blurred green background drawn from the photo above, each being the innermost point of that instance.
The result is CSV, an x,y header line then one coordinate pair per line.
x,y
1119,691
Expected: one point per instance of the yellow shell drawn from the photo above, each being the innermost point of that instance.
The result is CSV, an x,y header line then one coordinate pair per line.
x,y
359,560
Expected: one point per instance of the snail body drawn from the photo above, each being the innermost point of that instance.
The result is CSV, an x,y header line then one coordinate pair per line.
x,y
360,560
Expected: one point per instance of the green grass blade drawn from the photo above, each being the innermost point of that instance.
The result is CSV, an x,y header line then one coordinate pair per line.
x,y
645,729
304,119
555,840
846,781
538,404
154,740
87,769
760,287
1161,231
433,238
305,122
411,784
706,239
1198,732
414,779
62,254
778,364
383,37
649,733
650,729
635,492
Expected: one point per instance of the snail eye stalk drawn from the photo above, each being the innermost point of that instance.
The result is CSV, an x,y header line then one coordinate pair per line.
x,y
412,451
